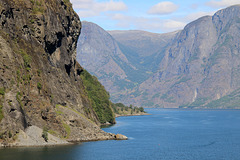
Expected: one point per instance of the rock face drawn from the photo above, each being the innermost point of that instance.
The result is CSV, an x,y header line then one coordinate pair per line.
x,y
40,82
201,66
195,67
99,53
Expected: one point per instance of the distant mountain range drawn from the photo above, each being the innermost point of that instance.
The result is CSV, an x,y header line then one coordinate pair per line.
x,y
197,67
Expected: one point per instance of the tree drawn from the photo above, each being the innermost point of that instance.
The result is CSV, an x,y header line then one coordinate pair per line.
x,y
141,109
131,106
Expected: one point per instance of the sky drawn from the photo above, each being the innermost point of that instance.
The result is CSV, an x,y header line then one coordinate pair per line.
x,y
150,15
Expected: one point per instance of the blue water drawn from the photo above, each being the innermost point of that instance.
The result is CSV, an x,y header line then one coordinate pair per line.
x,y
165,135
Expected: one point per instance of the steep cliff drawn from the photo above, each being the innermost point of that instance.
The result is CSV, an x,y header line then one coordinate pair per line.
x,y
40,83
201,66
100,54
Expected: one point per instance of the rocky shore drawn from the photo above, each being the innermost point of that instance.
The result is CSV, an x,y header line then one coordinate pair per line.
x,y
32,137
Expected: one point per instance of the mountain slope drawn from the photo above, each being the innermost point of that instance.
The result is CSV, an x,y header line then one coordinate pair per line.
x,y
201,65
143,43
118,65
41,83
101,56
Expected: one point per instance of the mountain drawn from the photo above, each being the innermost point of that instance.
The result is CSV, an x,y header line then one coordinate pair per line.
x,y
143,43
99,53
117,64
46,97
197,67
200,67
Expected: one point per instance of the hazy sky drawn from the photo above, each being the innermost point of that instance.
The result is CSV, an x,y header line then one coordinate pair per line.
x,y
150,15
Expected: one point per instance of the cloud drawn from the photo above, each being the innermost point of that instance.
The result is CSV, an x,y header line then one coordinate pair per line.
x,y
194,16
173,25
149,24
194,6
163,8
89,8
222,3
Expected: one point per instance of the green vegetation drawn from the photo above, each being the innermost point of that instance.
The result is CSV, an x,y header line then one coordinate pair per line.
x,y
39,86
2,91
45,134
237,19
52,132
59,112
197,103
122,110
38,6
66,1
141,109
39,73
229,101
1,113
67,129
136,93
10,134
168,98
194,56
99,98
157,95
18,97
27,59
182,80
219,51
123,84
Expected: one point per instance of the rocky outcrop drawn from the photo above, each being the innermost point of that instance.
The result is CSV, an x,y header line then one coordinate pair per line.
x,y
40,82
121,137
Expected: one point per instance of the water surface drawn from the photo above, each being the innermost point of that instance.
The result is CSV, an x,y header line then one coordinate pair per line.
x,y
166,135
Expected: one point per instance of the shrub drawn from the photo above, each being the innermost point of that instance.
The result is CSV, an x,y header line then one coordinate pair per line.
x,y
45,134
38,73
2,91
1,114
39,85
141,109
27,59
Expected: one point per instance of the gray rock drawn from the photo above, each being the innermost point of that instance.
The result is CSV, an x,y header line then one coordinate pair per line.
x,y
121,137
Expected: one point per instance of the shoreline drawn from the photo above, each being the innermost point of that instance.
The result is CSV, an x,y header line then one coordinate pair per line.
x,y
197,108
128,115
23,139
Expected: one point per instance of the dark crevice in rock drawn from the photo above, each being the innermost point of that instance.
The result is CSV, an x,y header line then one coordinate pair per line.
x,y
24,120
79,71
59,37
51,45
68,68
12,110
